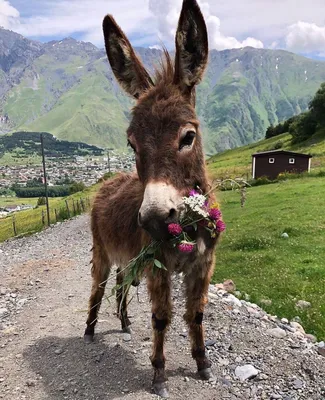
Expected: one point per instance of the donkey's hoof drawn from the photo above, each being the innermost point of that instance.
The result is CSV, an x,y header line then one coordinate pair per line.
x,y
127,329
88,339
161,389
206,374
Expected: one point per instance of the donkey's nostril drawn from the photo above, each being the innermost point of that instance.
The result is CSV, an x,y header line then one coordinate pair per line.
x,y
172,216
172,213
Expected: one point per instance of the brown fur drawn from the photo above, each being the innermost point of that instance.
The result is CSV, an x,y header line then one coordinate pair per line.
x,y
163,109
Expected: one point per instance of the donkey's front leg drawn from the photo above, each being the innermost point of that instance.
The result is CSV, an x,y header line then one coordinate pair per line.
x,y
159,286
196,299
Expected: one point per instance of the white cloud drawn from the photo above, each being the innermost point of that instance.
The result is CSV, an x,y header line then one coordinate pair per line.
x,y
305,37
66,17
8,15
167,14
156,47
231,23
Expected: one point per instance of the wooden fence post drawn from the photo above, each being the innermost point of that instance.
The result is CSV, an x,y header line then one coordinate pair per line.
x,y
43,217
14,224
74,207
66,203
82,204
56,215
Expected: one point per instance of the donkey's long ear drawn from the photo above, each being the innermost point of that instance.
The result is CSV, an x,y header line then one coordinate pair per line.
x,y
126,66
191,46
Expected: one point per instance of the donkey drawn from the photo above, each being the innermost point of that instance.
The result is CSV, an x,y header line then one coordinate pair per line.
x,y
131,209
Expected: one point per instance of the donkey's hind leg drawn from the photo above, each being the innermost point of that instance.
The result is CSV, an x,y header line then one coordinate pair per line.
x,y
100,271
122,302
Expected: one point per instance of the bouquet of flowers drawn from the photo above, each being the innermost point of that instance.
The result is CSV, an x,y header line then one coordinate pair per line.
x,y
197,212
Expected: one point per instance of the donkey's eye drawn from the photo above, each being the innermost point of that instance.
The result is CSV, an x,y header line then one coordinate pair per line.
x,y
131,145
187,140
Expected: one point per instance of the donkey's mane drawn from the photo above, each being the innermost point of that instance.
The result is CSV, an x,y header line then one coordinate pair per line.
x,y
164,72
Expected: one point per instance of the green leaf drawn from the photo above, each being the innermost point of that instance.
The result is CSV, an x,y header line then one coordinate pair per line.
x,y
158,264
150,250
195,226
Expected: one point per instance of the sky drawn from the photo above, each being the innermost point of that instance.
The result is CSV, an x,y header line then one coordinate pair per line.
x,y
294,25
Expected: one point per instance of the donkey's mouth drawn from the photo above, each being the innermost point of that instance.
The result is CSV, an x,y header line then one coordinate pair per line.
x,y
157,229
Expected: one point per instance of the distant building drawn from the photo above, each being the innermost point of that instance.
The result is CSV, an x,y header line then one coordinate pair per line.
x,y
271,163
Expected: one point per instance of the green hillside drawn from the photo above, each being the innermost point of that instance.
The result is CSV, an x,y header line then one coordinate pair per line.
x,y
257,88
276,271
269,267
25,148
237,162
67,88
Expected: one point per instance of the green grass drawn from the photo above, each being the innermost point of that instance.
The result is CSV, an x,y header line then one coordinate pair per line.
x,y
267,266
8,201
30,221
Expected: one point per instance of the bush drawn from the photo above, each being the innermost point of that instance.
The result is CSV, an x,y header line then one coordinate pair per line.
x,y
263,180
278,145
76,187
41,201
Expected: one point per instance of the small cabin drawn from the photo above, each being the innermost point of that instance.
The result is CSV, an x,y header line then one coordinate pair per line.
x,y
271,163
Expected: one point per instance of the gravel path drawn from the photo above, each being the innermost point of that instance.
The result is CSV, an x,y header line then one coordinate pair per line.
x,y
45,284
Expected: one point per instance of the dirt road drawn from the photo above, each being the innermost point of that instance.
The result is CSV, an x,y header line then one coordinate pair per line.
x,y
45,284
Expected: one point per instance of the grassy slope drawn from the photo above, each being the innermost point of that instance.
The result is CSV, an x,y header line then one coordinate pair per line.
x,y
70,98
88,112
8,201
31,220
267,266
252,252
237,162
258,88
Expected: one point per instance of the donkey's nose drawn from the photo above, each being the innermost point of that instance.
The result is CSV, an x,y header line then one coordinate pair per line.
x,y
159,208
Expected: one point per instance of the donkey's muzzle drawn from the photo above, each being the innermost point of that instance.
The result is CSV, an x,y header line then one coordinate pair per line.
x,y
155,226
160,207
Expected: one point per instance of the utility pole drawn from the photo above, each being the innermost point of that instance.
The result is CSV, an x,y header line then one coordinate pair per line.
x,y
45,183
109,161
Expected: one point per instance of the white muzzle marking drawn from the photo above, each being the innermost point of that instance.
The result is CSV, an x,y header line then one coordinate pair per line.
x,y
159,198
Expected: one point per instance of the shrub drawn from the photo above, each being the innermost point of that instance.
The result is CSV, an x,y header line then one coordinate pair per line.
x,y
263,180
41,201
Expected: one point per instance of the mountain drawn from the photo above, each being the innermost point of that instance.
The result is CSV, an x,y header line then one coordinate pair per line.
x,y
67,88
253,88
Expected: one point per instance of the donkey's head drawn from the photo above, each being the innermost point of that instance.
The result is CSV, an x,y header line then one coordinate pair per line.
x,y
164,130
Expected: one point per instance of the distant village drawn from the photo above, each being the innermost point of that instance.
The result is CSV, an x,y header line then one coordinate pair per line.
x,y
79,169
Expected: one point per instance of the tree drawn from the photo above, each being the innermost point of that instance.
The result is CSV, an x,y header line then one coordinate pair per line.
x,y
317,105
303,127
269,132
